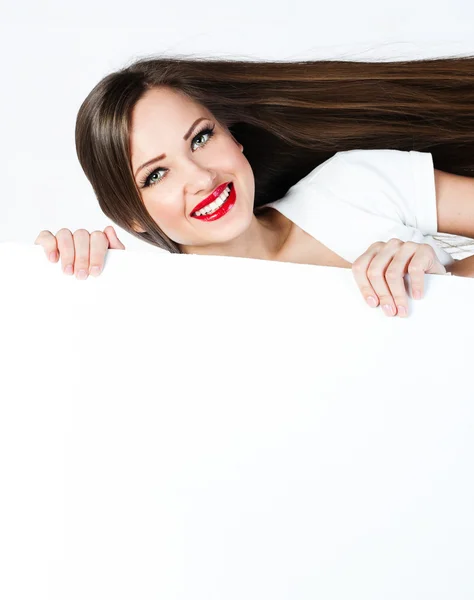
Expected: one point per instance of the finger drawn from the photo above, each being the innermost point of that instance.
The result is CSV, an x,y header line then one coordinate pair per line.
x,y
359,270
81,246
66,250
376,275
424,260
99,245
114,242
49,243
395,275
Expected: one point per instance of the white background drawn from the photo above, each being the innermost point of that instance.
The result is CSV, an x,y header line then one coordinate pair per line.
x,y
189,427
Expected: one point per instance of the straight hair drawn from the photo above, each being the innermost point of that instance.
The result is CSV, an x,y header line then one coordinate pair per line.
x,y
289,116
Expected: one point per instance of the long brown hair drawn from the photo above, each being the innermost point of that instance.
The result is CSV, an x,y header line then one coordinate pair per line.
x,y
289,116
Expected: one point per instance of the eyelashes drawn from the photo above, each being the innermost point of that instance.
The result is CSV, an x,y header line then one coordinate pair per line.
x,y
146,181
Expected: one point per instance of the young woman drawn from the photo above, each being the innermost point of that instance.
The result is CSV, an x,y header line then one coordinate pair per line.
x,y
163,138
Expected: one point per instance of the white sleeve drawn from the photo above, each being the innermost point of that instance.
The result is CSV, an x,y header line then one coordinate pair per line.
x,y
359,197
403,183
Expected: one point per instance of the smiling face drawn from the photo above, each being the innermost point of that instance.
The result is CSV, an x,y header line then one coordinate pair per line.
x,y
191,170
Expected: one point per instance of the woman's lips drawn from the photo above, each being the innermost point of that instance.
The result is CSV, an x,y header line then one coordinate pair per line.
x,y
215,194
221,211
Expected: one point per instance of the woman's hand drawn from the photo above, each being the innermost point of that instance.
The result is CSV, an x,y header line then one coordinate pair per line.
x,y
380,271
81,253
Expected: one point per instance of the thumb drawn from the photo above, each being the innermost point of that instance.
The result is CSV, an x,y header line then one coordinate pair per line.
x,y
433,265
114,242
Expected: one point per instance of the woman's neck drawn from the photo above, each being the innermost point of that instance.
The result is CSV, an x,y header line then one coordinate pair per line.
x,y
265,239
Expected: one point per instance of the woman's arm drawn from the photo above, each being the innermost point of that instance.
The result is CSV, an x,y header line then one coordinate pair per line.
x,y
455,203
455,208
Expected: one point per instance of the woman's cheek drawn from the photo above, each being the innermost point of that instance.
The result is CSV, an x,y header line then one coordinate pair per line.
x,y
170,216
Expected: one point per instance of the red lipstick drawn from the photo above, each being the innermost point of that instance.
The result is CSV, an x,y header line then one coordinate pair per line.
x,y
220,212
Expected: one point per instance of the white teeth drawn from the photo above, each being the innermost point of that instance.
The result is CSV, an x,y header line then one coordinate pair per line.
x,y
217,203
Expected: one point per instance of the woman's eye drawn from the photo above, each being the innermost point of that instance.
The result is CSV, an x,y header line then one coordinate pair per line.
x,y
202,134
149,181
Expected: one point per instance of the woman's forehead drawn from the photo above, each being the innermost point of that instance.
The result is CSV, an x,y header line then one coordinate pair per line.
x,y
164,104
161,113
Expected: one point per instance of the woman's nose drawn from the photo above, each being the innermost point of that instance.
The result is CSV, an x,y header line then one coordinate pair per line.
x,y
200,178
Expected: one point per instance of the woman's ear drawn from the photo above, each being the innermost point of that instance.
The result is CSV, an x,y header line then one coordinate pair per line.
x,y
239,145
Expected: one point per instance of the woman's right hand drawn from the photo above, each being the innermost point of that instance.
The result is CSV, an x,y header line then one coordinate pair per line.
x,y
81,253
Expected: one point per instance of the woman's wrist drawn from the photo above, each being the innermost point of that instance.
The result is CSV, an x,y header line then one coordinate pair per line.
x,y
463,267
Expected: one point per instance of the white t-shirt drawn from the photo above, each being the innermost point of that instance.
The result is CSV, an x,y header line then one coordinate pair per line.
x,y
359,197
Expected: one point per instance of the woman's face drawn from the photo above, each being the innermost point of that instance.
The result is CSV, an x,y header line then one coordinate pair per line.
x,y
192,169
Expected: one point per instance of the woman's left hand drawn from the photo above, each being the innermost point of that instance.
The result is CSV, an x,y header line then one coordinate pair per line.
x,y
380,271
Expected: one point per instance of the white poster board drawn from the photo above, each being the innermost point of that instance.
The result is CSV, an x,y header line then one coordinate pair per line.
x,y
209,428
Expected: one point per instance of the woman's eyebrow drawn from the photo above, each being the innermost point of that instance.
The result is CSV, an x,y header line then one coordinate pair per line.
x,y
185,137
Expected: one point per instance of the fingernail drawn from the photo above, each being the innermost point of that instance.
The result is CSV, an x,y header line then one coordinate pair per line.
x,y
387,309
53,256
371,301
82,274
95,271
402,311
416,294
69,270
